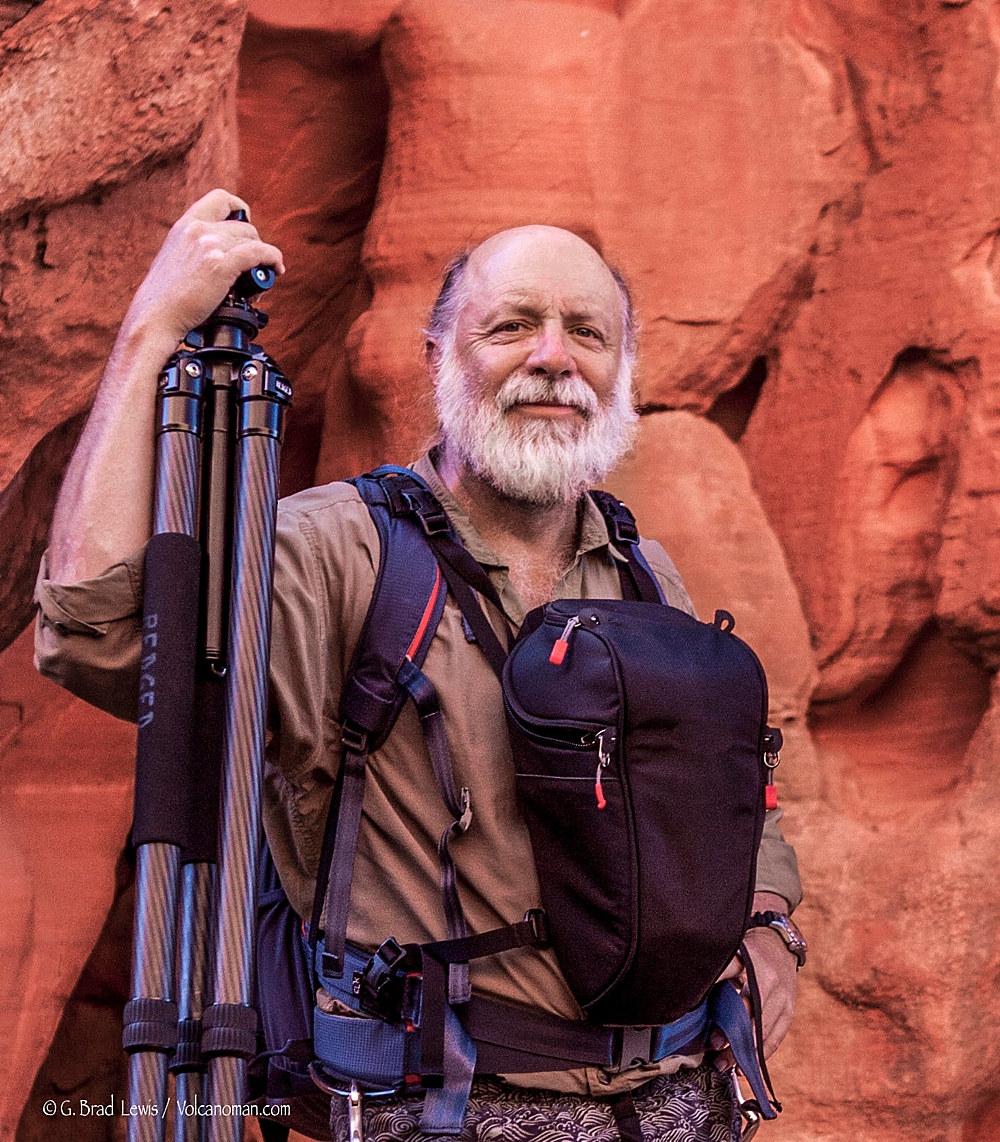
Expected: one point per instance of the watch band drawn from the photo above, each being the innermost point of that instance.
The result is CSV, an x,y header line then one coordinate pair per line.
x,y
780,923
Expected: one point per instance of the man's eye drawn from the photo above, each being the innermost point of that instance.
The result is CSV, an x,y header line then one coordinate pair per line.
x,y
586,331
510,327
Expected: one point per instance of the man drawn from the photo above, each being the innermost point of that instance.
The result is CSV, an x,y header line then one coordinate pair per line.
x,y
530,346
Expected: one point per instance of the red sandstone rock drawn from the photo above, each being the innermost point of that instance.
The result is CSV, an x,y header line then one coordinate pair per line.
x,y
91,93
66,772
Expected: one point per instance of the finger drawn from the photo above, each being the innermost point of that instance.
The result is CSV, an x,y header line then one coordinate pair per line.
x,y
724,1060
779,1027
247,254
218,235
215,206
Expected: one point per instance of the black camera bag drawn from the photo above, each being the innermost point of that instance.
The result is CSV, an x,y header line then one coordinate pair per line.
x,y
638,739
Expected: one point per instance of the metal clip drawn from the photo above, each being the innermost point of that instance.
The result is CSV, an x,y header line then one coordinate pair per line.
x,y
466,818
354,1116
749,1109
355,1121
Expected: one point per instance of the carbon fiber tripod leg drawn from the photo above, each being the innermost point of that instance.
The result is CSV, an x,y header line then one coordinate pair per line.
x,y
166,699
230,1035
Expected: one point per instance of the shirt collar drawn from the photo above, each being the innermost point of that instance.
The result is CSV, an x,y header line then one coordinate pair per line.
x,y
593,531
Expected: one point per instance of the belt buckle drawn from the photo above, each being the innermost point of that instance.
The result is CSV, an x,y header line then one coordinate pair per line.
x,y
636,1046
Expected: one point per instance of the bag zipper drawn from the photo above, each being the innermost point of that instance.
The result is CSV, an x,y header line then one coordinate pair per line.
x,y
607,740
561,645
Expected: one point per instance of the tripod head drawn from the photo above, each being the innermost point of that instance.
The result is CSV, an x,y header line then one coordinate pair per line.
x,y
235,322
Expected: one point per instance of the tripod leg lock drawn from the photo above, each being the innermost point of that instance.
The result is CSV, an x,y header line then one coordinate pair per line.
x,y
150,1025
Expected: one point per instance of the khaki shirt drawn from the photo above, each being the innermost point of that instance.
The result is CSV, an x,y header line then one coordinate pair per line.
x,y
327,552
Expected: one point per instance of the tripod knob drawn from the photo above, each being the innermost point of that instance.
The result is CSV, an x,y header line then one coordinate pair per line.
x,y
254,281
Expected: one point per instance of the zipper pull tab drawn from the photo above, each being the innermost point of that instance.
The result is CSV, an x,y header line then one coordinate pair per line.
x,y
772,756
607,739
770,789
561,645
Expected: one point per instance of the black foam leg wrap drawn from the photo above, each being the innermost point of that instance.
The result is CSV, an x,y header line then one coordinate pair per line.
x,y
166,688
150,1025
204,776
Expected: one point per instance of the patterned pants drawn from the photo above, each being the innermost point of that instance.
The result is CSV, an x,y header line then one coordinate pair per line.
x,y
689,1106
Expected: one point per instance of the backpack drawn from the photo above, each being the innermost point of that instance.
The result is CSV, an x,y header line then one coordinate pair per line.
x,y
586,714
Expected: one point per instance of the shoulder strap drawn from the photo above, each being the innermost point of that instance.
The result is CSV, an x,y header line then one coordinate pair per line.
x,y
419,552
637,579
404,612
405,609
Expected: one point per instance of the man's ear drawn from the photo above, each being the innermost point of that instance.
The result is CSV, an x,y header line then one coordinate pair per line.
x,y
432,355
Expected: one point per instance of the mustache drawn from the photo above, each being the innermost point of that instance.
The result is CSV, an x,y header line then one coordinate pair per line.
x,y
526,388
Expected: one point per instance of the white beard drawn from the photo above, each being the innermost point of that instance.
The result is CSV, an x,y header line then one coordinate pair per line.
x,y
535,460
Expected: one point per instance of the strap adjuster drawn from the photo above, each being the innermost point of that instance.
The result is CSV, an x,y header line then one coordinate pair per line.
x,y
539,922
625,530
426,508
354,739
380,985
618,519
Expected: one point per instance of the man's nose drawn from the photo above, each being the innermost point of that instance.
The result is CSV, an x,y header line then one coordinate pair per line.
x,y
551,352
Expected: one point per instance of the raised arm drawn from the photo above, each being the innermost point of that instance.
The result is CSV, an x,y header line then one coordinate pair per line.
x,y
104,508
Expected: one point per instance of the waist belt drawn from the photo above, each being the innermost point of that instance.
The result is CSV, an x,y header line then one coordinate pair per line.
x,y
505,1039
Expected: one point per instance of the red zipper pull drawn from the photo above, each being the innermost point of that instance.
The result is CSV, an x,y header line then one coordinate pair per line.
x,y
561,645
606,742
770,789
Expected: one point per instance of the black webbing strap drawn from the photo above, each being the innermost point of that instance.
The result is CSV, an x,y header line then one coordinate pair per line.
x,y
758,1026
434,1000
557,1044
626,1118
532,931
425,699
436,958
323,872
637,580
465,577
345,843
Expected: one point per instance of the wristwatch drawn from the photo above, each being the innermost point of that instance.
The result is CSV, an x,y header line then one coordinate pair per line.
x,y
793,938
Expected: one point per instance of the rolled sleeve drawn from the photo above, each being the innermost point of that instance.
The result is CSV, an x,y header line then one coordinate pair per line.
x,y
87,635
777,866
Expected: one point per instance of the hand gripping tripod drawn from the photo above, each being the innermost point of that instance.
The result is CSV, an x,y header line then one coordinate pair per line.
x,y
202,707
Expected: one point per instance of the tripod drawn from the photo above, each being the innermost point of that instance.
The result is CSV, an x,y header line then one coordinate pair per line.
x,y
202,709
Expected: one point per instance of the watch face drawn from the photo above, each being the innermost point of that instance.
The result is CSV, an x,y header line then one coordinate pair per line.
x,y
794,940
792,937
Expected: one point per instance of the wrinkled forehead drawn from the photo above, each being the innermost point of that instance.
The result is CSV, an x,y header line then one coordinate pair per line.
x,y
542,268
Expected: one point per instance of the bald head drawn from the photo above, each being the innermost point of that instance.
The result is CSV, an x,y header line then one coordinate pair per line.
x,y
531,257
